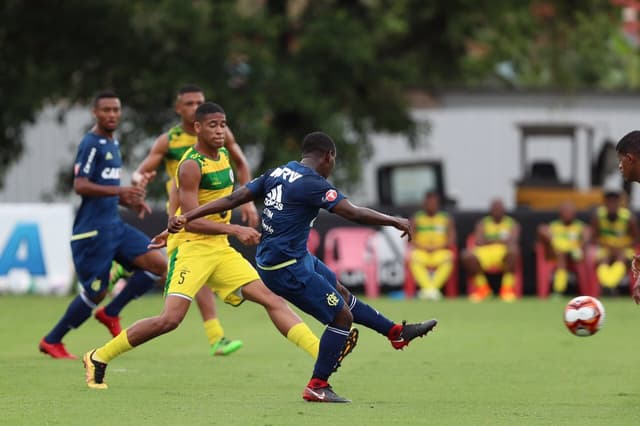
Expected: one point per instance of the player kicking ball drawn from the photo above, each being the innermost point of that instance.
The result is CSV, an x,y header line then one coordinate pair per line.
x,y
292,195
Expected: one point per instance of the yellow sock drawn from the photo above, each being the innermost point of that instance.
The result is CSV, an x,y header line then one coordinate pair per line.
x,y
214,330
480,280
508,280
617,271
421,275
442,274
560,280
115,347
302,336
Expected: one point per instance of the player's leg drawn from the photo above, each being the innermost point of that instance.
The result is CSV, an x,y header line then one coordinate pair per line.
x,y
399,335
561,274
92,259
148,267
471,259
511,253
419,268
442,263
311,292
96,360
235,280
187,273
218,343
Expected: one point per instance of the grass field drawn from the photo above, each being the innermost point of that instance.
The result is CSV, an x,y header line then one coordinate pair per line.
x,y
487,364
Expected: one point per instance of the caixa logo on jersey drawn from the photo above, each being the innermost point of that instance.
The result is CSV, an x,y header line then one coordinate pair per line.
x,y
110,173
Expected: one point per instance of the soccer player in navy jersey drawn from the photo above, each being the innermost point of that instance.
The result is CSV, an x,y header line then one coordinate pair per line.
x,y
293,194
99,233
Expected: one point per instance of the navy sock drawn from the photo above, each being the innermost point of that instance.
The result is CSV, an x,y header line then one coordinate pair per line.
x,y
369,317
137,285
331,344
77,313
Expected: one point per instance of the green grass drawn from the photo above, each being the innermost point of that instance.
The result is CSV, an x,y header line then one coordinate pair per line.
x,y
486,364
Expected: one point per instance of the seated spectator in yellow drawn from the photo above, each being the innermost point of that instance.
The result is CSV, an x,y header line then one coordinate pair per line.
x,y
564,241
431,258
615,232
496,250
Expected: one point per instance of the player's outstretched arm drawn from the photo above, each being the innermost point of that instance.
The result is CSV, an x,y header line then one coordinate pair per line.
x,y
369,216
146,171
239,196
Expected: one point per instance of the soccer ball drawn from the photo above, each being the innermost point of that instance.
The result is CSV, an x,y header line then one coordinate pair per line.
x,y
584,315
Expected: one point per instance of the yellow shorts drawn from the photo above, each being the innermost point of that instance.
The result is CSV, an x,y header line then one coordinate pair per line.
x,y
193,264
603,253
491,256
431,259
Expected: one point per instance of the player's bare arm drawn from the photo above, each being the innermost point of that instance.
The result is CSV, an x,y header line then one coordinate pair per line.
x,y
368,216
239,196
146,171
248,210
189,176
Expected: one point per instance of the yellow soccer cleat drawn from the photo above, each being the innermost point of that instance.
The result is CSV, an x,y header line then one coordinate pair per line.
x,y
94,371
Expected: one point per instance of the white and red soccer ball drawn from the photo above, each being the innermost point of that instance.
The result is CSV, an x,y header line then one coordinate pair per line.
x,y
584,315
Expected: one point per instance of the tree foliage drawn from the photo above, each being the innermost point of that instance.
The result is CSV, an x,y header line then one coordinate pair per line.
x,y
284,68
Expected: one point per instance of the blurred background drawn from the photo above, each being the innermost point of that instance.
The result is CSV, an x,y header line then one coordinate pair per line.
x,y
476,100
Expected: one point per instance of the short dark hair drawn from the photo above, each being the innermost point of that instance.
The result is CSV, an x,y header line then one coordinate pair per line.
x,y
431,193
208,108
190,88
318,142
630,143
105,94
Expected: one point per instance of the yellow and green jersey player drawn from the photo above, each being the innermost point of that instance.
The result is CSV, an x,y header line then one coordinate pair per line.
x,y
169,149
431,258
564,241
201,255
615,232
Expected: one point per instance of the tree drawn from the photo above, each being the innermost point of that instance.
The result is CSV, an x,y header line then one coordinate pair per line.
x,y
278,74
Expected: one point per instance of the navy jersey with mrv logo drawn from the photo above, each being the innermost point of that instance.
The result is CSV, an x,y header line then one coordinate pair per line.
x,y
99,160
293,194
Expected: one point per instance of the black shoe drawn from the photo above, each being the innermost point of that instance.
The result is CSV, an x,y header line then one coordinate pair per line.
x,y
351,342
410,332
322,394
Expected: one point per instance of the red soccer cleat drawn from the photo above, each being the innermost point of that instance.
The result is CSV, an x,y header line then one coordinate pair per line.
x,y
55,350
112,323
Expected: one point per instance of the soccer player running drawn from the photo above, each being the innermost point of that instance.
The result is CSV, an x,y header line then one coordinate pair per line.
x,y
169,148
293,194
99,234
201,255
628,150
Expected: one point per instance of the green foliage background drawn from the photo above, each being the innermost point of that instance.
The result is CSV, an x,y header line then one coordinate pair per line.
x,y
284,68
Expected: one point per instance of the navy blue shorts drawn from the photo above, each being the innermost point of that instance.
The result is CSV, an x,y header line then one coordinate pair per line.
x,y
309,284
93,252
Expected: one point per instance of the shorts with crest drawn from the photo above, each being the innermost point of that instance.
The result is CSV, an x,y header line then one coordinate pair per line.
x,y
193,264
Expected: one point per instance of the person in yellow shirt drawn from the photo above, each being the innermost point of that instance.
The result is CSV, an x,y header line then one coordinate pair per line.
x,y
564,241
495,250
615,233
168,149
201,256
431,259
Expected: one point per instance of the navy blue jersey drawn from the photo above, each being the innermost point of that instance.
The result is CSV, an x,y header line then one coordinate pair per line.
x,y
293,194
98,160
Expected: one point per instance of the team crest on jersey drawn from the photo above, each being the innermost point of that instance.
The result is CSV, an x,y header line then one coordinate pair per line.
x,y
332,299
109,156
95,286
330,195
